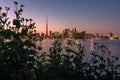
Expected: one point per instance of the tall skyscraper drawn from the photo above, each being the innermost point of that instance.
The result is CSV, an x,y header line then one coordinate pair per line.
x,y
46,26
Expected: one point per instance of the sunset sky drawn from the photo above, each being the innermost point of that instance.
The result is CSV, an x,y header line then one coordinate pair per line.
x,y
97,16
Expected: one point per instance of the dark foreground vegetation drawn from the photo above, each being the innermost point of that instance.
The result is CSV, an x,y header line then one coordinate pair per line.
x,y
19,58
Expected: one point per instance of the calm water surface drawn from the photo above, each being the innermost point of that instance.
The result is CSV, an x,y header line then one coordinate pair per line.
x,y
113,45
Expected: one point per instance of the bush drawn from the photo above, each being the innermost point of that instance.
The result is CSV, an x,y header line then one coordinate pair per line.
x,y
17,47
72,66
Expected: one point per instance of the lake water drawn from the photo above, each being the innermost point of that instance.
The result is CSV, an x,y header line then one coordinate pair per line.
x,y
113,45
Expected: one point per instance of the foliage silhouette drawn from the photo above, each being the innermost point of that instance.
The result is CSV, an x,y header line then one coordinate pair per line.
x,y
17,48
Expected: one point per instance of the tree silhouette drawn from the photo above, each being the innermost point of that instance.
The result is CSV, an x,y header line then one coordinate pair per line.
x,y
17,47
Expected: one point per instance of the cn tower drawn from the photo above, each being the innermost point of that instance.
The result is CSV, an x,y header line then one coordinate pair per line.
x,y
46,26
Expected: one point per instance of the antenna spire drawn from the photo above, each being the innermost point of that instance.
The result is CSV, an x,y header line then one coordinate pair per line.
x,y
46,27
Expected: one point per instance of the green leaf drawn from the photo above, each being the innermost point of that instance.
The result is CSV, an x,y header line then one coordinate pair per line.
x,y
16,23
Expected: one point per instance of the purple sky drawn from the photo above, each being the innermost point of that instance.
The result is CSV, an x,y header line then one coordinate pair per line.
x,y
97,16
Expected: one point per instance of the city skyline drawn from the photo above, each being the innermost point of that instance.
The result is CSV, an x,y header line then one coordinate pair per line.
x,y
97,16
